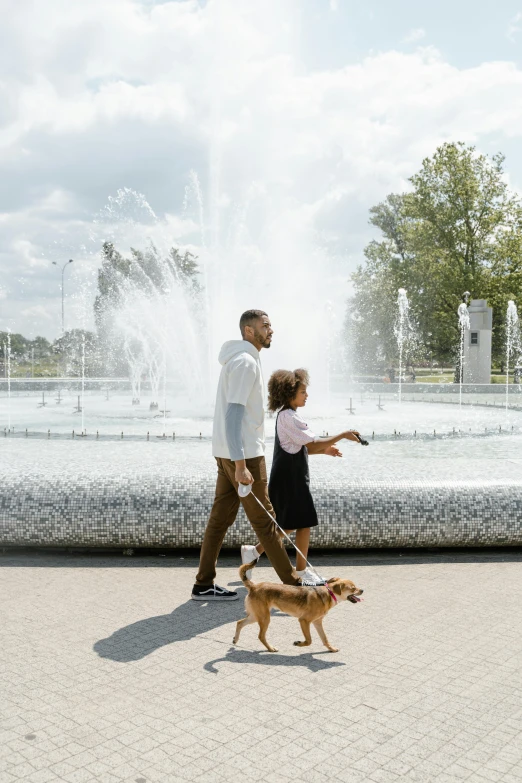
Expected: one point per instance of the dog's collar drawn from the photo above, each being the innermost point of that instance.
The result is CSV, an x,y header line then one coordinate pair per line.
x,y
331,593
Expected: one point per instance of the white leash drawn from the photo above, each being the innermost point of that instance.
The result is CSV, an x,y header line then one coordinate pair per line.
x,y
246,489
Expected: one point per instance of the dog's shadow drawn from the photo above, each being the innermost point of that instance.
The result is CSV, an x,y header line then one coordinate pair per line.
x,y
265,658
136,641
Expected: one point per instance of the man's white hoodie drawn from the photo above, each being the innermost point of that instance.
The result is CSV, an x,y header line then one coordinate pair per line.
x,y
241,381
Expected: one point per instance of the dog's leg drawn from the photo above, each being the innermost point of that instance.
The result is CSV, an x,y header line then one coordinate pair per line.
x,y
263,618
318,625
248,620
305,627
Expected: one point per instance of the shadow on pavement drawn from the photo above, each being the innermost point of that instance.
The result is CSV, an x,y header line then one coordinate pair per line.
x,y
273,659
328,560
136,641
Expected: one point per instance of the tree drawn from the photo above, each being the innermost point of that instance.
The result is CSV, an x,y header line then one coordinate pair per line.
x,y
26,355
79,351
19,344
459,229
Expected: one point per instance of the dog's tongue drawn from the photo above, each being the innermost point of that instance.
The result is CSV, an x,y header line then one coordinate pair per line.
x,y
354,599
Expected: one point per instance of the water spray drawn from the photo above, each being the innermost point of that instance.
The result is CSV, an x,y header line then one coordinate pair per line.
x,y
464,325
512,340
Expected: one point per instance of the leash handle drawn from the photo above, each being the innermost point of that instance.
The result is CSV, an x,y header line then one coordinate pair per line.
x,y
361,440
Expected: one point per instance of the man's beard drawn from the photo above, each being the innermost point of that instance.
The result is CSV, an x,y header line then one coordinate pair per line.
x,y
265,341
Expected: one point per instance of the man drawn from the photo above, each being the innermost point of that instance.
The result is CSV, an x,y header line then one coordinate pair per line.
x,y
238,444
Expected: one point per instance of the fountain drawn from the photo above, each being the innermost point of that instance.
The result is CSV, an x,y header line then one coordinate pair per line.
x,y
513,344
7,358
464,324
165,337
82,405
239,245
137,365
153,321
6,345
403,304
405,332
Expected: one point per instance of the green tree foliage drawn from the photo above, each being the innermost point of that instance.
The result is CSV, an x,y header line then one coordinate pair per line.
x,y
42,348
27,355
63,356
71,349
20,345
459,229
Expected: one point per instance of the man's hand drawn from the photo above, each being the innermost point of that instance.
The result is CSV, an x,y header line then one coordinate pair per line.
x,y
332,451
243,475
353,435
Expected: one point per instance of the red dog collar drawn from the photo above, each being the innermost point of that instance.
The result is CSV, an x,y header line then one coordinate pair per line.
x,y
331,593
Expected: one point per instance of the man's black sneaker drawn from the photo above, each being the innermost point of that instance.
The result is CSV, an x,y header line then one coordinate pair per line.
x,y
213,593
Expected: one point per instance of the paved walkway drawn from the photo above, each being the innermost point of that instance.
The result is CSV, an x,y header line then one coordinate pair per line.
x,y
108,673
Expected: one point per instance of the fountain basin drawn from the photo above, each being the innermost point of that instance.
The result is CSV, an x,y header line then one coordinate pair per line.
x,y
159,493
419,413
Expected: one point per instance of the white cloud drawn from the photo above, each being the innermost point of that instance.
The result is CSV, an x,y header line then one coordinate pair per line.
x,y
27,254
415,34
37,312
514,27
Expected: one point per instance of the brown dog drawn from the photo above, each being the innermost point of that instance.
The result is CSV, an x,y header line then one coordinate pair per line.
x,y
308,604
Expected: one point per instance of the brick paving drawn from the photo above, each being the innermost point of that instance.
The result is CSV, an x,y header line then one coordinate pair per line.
x,y
109,673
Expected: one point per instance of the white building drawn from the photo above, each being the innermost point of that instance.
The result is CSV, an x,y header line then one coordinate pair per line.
x,y
477,343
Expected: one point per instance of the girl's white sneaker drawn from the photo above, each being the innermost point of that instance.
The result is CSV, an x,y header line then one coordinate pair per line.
x,y
248,555
309,577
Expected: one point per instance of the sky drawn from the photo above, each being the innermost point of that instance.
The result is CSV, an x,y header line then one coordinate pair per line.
x,y
291,117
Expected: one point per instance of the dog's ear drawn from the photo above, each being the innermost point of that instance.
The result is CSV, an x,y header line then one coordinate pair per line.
x,y
333,579
337,588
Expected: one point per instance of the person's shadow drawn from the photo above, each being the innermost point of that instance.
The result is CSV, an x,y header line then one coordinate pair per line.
x,y
136,641
235,655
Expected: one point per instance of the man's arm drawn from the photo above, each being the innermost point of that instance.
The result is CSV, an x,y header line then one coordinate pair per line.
x,y
241,379
233,421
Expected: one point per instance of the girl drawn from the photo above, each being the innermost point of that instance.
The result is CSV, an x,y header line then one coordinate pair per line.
x,y
289,486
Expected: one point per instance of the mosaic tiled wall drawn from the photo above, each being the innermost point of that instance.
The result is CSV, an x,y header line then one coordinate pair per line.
x,y
158,511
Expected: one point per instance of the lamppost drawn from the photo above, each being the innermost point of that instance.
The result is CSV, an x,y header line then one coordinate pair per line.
x,y
63,312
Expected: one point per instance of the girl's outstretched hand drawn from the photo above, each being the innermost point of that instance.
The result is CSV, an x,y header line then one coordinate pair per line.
x,y
333,451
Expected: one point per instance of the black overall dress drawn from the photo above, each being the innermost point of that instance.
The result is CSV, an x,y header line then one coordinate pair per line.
x,y
289,488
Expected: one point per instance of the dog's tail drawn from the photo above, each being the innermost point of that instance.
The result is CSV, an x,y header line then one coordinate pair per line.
x,y
243,573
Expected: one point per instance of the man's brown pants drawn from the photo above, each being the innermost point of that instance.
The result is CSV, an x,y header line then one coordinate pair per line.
x,y
223,515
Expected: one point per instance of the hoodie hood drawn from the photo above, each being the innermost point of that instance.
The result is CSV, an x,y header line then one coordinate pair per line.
x,y
234,347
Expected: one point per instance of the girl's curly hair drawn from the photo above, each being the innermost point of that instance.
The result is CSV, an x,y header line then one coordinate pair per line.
x,y
283,385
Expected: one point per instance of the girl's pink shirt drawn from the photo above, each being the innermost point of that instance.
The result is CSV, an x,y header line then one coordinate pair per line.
x,y
293,431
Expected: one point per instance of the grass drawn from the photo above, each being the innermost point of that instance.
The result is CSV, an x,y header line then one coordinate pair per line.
x,y
500,379
44,369
434,378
